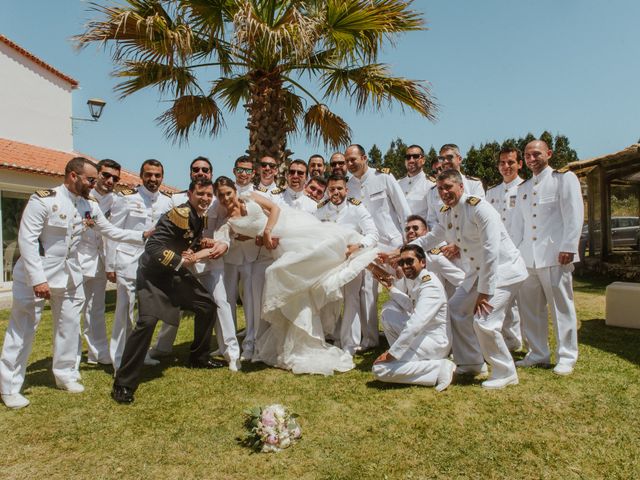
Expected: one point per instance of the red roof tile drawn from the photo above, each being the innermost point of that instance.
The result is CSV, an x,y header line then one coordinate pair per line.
x,y
42,63
44,161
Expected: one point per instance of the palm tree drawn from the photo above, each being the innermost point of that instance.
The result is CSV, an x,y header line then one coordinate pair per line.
x,y
262,49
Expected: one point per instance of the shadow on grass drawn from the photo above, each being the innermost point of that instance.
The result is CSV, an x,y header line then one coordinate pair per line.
x,y
623,342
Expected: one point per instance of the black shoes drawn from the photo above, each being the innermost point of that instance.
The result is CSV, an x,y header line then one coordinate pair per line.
x,y
122,394
209,364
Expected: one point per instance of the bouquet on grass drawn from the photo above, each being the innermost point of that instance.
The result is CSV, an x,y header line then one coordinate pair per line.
x,y
271,428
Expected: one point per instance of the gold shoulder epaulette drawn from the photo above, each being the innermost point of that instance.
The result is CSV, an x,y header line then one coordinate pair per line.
x,y
435,251
426,278
443,208
323,203
128,191
386,170
564,169
276,191
473,201
431,178
354,201
262,189
473,178
492,186
45,193
179,216
166,194
92,198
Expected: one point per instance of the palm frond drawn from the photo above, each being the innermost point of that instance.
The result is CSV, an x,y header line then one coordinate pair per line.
x,y
232,90
143,74
372,85
293,109
320,122
192,113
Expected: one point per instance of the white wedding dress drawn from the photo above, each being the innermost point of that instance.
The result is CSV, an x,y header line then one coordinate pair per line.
x,y
308,272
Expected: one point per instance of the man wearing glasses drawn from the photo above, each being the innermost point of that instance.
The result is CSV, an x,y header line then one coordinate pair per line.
x,y
268,171
338,165
451,160
200,169
133,209
294,195
416,185
92,260
52,224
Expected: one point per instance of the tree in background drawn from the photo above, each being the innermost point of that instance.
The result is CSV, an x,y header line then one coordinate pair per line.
x,y
261,50
375,156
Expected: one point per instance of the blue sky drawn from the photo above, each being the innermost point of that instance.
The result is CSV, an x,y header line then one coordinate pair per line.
x,y
498,69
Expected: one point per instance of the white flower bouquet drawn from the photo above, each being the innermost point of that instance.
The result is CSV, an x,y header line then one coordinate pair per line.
x,y
271,428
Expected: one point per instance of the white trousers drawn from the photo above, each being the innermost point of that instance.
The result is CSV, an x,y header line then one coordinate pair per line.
x,y
369,311
225,330
94,328
235,275
348,329
549,288
257,288
124,319
415,372
512,328
26,311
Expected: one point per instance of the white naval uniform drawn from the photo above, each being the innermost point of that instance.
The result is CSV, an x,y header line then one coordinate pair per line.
x,y
351,214
415,189
298,200
548,220
502,197
211,274
416,324
132,209
472,187
91,257
450,273
385,201
50,231
494,267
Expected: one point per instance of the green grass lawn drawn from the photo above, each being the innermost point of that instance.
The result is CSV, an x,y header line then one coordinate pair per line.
x,y
187,424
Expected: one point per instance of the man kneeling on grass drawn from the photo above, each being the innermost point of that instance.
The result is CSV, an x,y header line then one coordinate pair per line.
x,y
415,322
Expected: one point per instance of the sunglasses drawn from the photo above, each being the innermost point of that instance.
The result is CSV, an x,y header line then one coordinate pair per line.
x,y
446,158
414,156
107,176
406,261
200,169
244,170
408,228
267,165
91,180
337,164
299,173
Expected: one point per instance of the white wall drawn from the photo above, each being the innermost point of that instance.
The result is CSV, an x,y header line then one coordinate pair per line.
x,y
35,104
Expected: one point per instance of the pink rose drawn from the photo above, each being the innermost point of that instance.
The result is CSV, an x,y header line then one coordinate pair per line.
x,y
268,419
272,440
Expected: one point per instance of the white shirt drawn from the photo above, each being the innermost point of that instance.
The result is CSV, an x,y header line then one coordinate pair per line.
x,y
548,217
91,247
415,190
351,214
133,209
426,303
52,224
502,197
297,200
386,203
475,227
472,187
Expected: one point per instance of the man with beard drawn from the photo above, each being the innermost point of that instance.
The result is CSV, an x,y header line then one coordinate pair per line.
x,y
416,185
338,165
91,257
415,322
268,171
350,213
293,195
165,284
52,224
316,166
134,209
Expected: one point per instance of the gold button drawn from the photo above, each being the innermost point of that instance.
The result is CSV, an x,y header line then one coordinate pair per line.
x,y
534,239
464,249
504,219
477,268
534,227
472,259
456,215
534,215
535,204
458,239
535,193
457,228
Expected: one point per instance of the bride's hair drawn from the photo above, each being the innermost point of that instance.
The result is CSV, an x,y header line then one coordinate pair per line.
x,y
223,182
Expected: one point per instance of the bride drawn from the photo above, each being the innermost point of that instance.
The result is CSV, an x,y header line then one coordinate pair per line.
x,y
309,270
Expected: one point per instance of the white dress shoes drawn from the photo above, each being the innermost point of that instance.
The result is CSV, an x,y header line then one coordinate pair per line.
x,y
563,369
445,375
498,383
71,387
15,400
235,365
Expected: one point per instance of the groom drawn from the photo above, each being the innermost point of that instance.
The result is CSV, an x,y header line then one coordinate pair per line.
x,y
164,283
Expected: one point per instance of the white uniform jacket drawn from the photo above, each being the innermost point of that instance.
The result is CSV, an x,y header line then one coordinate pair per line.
x,y
475,227
296,200
425,301
443,268
383,197
133,209
52,224
472,187
503,197
178,198
351,214
91,247
415,190
548,217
